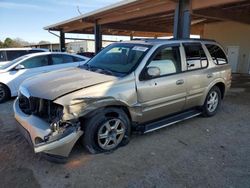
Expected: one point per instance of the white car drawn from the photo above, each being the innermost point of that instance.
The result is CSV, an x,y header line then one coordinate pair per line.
x,y
9,54
13,73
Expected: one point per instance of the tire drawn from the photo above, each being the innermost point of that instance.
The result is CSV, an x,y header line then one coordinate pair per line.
x,y
4,93
212,102
110,126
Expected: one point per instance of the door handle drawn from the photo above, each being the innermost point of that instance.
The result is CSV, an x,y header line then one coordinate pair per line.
x,y
179,82
210,75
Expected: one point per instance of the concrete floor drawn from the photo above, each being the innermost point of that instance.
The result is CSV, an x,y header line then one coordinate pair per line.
x,y
201,152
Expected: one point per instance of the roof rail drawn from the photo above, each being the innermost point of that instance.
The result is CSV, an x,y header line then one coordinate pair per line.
x,y
186,39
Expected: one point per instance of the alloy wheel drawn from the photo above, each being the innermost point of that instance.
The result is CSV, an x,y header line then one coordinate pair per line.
x,y
111,134
212,101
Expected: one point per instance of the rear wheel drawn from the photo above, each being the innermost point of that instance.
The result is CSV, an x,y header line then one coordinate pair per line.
x,y
4,93
213,102
106,130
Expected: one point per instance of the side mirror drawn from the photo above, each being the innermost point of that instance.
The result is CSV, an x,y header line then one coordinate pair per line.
x,y
153,72
19,67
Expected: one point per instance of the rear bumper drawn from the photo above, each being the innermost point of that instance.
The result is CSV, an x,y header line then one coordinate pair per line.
x,y
35,129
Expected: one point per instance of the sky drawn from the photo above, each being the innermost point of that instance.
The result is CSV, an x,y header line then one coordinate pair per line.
x,y
25,19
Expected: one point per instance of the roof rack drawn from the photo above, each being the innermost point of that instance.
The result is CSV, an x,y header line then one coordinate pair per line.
x,y
186,39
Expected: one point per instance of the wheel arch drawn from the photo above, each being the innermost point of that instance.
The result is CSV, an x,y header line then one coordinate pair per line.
x,y
7,87
99,109
222,88
93,109
220,83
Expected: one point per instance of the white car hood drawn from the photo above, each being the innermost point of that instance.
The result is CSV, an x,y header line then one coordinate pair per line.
x,y
58,83
1,64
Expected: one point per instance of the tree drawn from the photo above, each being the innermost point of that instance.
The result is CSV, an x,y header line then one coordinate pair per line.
x,y
20,42
44,42
8,42
1,44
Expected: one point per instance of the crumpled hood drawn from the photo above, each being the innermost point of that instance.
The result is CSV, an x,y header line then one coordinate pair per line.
x,y
57,83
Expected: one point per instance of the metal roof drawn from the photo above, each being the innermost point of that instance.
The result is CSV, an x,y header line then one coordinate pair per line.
x,y
153,17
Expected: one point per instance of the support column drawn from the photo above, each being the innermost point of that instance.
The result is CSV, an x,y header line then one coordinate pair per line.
x,y
182,19
62,41
131,36
98,38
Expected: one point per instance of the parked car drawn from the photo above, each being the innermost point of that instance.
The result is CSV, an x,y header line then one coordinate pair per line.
x,y
86,54
12,74
139,85
9,54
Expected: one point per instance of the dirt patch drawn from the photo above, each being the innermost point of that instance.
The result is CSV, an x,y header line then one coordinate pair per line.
x,y
18,177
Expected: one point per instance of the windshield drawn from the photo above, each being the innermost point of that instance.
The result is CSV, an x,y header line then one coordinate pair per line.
x,y
118,59
10,63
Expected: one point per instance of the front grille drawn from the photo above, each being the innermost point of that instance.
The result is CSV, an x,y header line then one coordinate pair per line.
x,y
42,108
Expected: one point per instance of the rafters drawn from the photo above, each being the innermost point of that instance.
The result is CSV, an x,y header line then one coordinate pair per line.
x,y
154,16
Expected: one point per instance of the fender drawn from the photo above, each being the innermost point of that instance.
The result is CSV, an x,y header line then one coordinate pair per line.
x,y
81,107
212,84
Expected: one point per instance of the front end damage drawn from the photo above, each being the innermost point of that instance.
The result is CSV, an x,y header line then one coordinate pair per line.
x,y
42,125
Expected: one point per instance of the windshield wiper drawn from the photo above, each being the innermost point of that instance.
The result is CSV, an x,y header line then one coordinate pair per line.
x,y
94,69
109,72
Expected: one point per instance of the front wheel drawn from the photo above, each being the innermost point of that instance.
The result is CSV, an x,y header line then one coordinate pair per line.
x,y
106,130
213,102
4,93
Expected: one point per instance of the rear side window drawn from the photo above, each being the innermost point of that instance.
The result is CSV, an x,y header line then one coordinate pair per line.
x,y
13,54
217,54
36,62
61,59
195,56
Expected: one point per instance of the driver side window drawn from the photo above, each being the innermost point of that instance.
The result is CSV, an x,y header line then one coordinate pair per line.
x,y
167,60
36,62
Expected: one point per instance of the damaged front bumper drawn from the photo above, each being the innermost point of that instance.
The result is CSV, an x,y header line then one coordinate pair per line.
x,y
42,138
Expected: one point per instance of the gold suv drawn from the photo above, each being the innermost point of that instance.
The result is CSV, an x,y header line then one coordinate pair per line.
x,y
141,85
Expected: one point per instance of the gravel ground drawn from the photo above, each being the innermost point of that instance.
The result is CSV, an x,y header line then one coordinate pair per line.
x,y
201,152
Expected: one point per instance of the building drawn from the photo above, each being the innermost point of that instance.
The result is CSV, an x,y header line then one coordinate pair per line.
x,y
87,45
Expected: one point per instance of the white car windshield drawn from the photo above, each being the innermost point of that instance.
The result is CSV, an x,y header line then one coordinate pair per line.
x,y
8,64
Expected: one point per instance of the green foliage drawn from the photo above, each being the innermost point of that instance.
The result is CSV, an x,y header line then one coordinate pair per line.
x,y
11,43
1,44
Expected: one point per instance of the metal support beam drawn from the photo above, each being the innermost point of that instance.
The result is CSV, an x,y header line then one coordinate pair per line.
x,y
98,38
62,41
131,36
182,19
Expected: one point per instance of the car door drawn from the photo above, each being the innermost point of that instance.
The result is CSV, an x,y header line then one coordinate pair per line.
x,y
60,61
197,74
164,94
31,67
